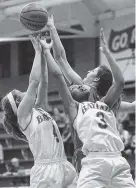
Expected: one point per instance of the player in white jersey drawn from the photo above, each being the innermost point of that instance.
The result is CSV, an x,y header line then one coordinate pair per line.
x,y
26,118
103,165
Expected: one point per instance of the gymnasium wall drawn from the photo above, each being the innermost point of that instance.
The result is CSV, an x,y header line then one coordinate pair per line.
x,y
81,53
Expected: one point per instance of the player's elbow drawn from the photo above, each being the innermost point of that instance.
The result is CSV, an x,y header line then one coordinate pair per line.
x,y
33,83
120,84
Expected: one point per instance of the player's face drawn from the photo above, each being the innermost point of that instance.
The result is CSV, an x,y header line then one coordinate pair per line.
x,y
80,89
91,76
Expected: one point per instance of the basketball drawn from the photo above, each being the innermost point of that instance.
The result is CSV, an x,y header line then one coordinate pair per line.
x,y
34,17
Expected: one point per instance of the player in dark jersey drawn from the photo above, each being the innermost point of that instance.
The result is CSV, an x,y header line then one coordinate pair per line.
x,y
116,173
95,79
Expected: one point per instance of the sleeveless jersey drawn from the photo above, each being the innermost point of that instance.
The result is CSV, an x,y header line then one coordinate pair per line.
x,y
78,154
43,136
96,127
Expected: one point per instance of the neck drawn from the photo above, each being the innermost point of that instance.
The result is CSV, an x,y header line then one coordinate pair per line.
x,y
93,84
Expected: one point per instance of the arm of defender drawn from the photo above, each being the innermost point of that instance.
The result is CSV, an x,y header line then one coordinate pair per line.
x,y
60,55
42,96
69,104
127,107
25,108
116,89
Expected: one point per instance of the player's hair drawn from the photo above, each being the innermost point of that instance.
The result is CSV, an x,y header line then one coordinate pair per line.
x,y
9,106
105,81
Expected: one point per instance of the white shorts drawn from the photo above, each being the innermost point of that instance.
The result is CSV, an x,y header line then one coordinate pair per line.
x,y
56,173
105,170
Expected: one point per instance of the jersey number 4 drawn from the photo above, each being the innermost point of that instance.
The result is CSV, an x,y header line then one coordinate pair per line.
x,y
102,124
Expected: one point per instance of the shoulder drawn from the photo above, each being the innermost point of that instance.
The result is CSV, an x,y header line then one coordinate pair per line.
x,y
103,106
26,122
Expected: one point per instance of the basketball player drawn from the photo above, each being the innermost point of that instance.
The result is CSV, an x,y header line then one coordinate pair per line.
x,y
95,124
92,78
96,79
26,118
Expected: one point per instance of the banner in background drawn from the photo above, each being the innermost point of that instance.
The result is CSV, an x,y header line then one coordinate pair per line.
x,y
120,35
122,40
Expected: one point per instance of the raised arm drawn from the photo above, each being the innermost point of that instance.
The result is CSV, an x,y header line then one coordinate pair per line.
x,y
42,96
60,55
69,104
116,89
25,108
127,106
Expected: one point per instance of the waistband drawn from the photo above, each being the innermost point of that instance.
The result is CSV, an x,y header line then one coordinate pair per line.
x,y
104,154
50,161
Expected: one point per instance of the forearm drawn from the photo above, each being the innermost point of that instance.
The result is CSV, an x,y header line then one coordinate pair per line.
x,y
61,59
52,64
44,81
58,49
69,104
117,74
36,70
42,96
71,76
44,70
127,106
59,54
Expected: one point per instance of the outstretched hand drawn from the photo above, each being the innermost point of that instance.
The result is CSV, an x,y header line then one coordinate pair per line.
x,y
104,45
35,39
50,23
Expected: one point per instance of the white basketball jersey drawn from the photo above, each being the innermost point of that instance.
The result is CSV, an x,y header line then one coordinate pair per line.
x,y
96,127
43,135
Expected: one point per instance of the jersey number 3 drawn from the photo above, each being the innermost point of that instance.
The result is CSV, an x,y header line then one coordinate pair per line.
x,y
102,124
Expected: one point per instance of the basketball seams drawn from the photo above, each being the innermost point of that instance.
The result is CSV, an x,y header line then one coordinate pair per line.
x,y
34,17
35,11
27,26
32,20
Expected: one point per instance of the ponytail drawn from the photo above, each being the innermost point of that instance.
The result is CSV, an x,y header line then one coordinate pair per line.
x,y
10,118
